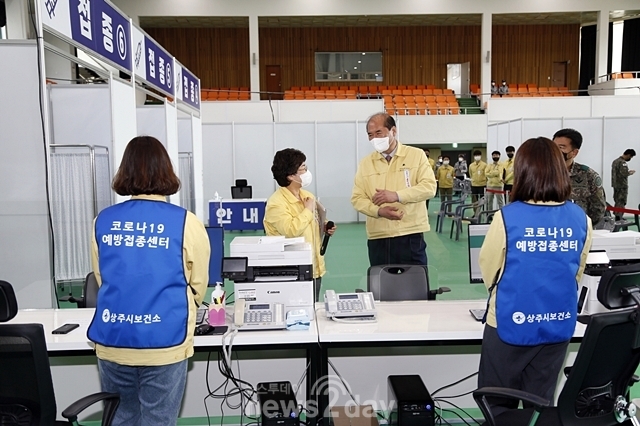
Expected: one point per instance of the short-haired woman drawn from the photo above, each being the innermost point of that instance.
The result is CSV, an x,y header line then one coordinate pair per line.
x,y
292,211
531,260
151,259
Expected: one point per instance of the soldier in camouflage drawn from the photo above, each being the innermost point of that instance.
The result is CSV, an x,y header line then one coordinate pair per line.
x,y
586,184
620,179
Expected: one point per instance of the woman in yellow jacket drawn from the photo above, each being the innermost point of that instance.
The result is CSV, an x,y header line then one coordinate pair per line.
x,y
292,211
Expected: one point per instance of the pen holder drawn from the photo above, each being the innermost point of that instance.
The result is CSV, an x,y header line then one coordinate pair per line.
x,y
216,315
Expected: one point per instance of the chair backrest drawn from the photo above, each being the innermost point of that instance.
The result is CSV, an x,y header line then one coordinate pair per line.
x,y
26,387
90,291
8,302
241,192
608,357
398,282
241,182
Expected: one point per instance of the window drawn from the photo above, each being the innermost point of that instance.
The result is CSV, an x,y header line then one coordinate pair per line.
x,y
338,66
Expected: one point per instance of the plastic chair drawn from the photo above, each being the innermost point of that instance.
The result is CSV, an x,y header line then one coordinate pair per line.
x,y
399,282
598,383
446,206
27,396
479,216
89,298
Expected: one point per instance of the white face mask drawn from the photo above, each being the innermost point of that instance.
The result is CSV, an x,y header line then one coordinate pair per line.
x,y
381,144
445,162
461,159
477,158
305,179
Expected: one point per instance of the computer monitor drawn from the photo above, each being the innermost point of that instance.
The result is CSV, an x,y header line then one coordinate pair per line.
x,y
476,238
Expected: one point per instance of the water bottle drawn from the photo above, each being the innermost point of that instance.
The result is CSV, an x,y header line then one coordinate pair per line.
x,y
216,307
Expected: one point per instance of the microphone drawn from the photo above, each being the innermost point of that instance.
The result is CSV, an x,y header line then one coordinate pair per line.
x,y
325,240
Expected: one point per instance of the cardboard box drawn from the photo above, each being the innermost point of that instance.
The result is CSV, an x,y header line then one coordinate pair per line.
x,y
354,415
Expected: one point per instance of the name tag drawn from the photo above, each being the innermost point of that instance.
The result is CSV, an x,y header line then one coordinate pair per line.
x,y
407,179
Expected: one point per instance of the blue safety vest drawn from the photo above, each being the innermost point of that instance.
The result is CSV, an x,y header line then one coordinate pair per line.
x,y
536,299
142,302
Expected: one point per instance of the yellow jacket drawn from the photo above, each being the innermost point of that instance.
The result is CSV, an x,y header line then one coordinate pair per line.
x,y
494,175
432,163
410,175
476,170
493,252
286,215
195,259
508,167
445,175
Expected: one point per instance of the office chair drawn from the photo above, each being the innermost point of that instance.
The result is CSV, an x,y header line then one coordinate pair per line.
x,y
26,388
598,383
401,282
89,296
241,189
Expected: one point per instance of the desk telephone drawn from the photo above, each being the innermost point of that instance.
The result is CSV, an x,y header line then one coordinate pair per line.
x,y
258,316
350,305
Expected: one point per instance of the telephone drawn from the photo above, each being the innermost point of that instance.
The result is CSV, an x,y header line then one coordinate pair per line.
x,y
258,316
350,305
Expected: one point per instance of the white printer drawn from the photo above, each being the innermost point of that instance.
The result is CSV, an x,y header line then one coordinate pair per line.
x,y
607,248
278,270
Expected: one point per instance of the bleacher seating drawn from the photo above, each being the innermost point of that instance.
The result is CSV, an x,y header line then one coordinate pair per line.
x,y
226,94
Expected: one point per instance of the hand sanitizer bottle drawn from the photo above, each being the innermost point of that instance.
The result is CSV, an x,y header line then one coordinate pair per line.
x,y
216,308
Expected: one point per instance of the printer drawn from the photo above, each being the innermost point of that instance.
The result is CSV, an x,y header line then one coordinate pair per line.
x,y
277,270
607,249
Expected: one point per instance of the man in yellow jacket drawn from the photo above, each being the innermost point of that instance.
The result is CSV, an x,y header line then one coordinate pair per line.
x,y
478,176
390,188
494,172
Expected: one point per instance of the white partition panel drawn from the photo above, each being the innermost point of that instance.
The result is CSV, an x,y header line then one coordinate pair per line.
x,y
621,134
492,135
152,121
81,114
515,136
171,119
198,175
336,167
123,122
185,135
217,162
591,151
363,148
540,127
300,136
253,155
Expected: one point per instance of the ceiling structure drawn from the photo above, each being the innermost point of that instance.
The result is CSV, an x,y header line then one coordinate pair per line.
x,y
582,18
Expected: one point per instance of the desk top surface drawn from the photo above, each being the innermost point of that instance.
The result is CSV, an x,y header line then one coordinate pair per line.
x,y
397,322
411,321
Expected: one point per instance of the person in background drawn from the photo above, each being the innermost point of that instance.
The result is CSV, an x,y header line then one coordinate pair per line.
x,y
444,176
586,184
529,274
461,168
494,88
478,177
494,172
620,179
151,261
503,89
507,166
432,163
293,211
390,188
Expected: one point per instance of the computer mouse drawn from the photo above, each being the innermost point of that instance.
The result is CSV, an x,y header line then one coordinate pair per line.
x,y
203,329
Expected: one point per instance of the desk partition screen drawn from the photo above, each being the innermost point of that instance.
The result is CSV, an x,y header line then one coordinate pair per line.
x,y
476,238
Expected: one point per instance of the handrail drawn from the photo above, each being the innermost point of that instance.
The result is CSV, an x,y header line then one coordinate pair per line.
x,y
616,76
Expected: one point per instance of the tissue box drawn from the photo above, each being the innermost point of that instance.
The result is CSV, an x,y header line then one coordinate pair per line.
x,y
298,320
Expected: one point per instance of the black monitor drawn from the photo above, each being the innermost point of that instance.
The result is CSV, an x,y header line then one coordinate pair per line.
x,y
476,238
238,192
235,268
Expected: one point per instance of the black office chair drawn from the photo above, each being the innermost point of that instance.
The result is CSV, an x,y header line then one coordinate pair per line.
x,y
89,298
401,282
26,388
241,189
597,386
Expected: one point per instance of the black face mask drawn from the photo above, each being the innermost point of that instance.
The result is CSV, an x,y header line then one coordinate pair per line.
x,y
566,156
496,159
510,154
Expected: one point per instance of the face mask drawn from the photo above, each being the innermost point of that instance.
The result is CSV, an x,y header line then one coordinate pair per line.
x,y
439,160
445,162
427,155
477,158
305,179
381,144
461,159
496,159
510,154
566,156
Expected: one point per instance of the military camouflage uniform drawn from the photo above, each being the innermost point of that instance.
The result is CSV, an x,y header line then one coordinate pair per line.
x,y
587,191
620,181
